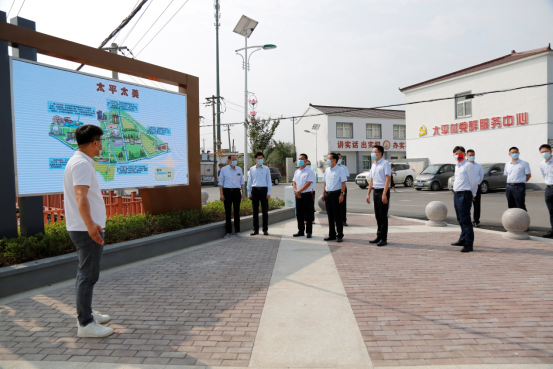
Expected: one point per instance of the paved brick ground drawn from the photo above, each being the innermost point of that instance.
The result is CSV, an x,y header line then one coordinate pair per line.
x,y
419,301
199,308
367,221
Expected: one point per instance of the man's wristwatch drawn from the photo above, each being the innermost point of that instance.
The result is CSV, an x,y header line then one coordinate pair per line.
x,y
343,193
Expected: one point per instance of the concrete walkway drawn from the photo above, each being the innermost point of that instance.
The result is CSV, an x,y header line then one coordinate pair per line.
x,y
284,302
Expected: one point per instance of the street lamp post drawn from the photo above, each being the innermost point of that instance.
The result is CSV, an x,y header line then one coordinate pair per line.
x,y
316,129
245,28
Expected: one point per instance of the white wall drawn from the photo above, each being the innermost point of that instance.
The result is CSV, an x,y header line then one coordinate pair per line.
x,y
315,146
490,145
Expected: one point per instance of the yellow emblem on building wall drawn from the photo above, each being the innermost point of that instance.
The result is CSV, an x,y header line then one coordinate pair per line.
x,y
422,130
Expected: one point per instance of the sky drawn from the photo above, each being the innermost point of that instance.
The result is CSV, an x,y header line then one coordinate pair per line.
x,y
354,53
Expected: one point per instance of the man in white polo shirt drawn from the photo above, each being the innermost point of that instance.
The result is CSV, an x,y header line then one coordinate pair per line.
x,y
85,218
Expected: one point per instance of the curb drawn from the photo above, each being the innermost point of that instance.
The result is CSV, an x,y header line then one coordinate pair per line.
x,y
40,273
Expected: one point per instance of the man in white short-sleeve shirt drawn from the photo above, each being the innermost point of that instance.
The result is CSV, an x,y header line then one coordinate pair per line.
x,y
85,219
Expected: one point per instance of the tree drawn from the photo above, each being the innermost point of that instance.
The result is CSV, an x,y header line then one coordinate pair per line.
x,y
261,132
280,151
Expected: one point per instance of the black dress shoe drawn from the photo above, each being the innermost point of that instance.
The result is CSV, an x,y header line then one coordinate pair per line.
x,y
376,240
467,249
299,234
458,243
254,233
382,243
309,235
265,233
340,239
329,238
345,224
548,235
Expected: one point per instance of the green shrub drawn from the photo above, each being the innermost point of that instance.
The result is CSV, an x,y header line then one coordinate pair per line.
x,y
55,240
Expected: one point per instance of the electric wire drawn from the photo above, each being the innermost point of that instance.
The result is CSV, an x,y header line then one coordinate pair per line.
x,y
162,27
139,18
8,16
20,8
403,104
153,24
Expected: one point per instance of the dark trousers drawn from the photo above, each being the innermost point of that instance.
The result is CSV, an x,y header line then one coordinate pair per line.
x,y
516,196
334,213
305,213
89,254
344,206
549,203
463,203
259,194
381,213
233,197
477,205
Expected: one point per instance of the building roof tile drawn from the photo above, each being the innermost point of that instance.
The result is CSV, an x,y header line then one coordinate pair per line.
x,y
344,111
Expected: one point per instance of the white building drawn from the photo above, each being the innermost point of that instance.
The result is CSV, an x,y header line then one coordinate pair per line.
x,y
489,124
352,132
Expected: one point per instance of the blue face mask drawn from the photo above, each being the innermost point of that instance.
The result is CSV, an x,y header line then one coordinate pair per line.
x,y
260,161
233,163
339,161
471,158
515,155
546,155
301,163
373,156
328,162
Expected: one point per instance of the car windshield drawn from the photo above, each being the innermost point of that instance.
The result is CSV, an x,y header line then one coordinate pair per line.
x,y
486,168
431,169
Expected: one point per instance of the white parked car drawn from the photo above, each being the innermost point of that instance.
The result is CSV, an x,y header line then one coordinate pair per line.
x,y
363,179
404,174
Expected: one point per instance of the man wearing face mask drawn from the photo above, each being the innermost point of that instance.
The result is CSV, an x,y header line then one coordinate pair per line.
x,y
259,189
85,219
477,200
231,189
333,195
344,203
303,178
518,173
465,188
381,177
546,167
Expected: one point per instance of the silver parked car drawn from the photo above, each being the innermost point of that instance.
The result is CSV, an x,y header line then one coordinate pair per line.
x,y
404,174
493,177
435,177
363,179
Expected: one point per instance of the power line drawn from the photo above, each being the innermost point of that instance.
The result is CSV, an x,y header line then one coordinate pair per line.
x,y
408,103
162,27
139,18
8,17
153,24
20,8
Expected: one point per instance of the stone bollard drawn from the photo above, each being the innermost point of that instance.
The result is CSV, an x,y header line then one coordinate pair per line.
x,y
436,211
322,205
516,222
205,196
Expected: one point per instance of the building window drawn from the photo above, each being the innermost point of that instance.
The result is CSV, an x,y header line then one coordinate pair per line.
x,y
366,162
344,160
399,132
373,131
463,105
344,130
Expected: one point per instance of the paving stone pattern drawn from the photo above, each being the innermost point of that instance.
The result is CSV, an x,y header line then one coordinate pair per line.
x,y
419,301
367,221
198,308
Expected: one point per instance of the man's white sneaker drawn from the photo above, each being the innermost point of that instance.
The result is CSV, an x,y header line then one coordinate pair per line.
x,y
238,235
94,329
100,318
228,235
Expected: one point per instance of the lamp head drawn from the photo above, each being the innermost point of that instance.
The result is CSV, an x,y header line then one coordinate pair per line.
x,y
269,47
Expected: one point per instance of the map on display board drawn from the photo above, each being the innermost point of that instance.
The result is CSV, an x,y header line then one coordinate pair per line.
x,y
145,141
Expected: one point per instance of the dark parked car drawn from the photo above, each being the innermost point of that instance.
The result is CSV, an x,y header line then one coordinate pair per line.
x,y
275,175
493,177
435,176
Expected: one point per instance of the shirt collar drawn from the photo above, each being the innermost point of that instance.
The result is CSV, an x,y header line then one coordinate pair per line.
x,y
462,162
83,155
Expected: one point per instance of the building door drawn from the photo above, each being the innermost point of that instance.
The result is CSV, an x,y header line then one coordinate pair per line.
x,y
366,162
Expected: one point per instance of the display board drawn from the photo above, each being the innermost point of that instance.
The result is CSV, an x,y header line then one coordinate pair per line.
x,y
145,141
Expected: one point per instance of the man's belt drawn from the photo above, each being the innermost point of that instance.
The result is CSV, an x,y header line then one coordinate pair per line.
x,y
516,184
460,192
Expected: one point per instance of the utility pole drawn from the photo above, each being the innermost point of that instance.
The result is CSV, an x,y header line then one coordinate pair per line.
x,y
204,143
217,16
229,147
294,133
212,99
114,49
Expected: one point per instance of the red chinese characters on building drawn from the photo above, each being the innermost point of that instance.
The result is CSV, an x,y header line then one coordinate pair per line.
x,y
355,144
340,144
100,87
508,120
454,128
135,93
124,91
113,89
371,144
402,145
377,143
436,131
363,145
463,127
348,144
522,118
395,145
473,125
484,124
445,129
496,122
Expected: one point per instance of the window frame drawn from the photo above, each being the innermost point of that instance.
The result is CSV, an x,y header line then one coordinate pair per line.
x,y
369,159
399,131
351,129
379,130
464,103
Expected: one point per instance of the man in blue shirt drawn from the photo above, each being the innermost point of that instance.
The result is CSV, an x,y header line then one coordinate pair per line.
x,y
465,188
303,178
259,190
477,200
518,173
381,177
231,189
344,203
333,195
546,167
